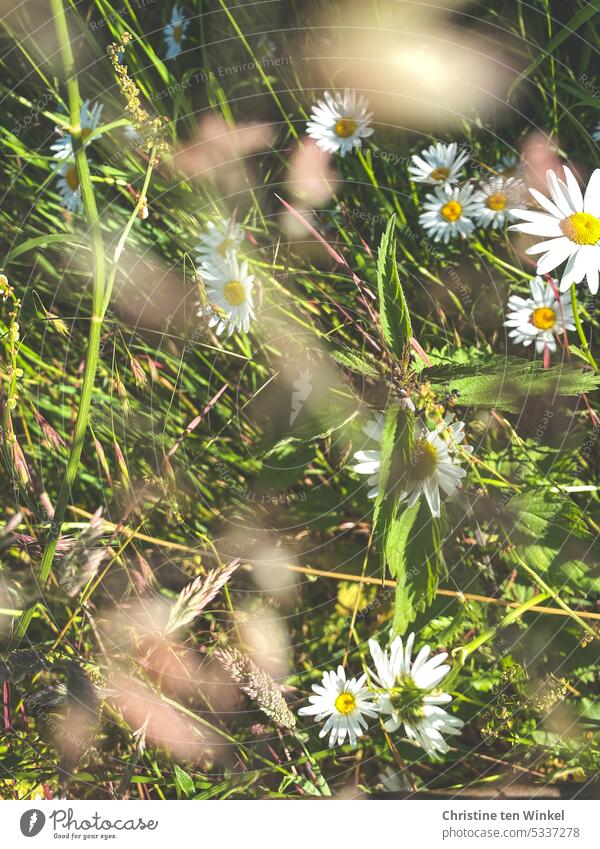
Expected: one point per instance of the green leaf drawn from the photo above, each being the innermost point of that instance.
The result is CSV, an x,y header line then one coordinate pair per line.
x,y
579,352
360,363
505,383
184,781
382,517
533,513
393,310
413,554
43,242
315,428
396,447
549,532
306,785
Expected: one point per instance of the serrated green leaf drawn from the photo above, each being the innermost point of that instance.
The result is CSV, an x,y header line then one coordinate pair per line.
x,y
532,513
579,353
396,446
549,532
381,517
413,555
505,383
393,310
360,363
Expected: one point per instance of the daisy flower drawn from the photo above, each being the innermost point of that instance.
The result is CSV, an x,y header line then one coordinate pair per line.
x,y
340,122
369,461
229,288
571,224
174,32
344,703
68,187
89,118
438,164
493,199
509,165
219,240
431,467
410,694
539,318
448,213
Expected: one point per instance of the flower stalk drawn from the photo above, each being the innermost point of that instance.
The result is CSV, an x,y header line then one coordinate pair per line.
x,y
584,343
463,652
554,595
101,292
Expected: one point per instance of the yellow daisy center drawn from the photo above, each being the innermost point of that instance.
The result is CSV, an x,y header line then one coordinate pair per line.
x,y
423,462
581,228
497,201
177,33
440,174
72,178
225,245
345,127
345,703
543,318
452,210
234,292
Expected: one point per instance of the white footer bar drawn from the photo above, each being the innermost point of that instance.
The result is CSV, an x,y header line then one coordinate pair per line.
x,y
286,825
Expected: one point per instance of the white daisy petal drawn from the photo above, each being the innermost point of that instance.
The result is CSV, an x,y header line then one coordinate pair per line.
x,y
174,32
68,186
340,122
229,289
439,164
345,703
89,119
494,198
432,466
560,250
408,697
546,203
540,318
449,213
573,189
591,202
574,221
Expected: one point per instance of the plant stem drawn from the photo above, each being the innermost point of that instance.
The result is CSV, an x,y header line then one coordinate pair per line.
x,y
93,345
463,652
127,230
517,272
332,576
553,594
582,339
